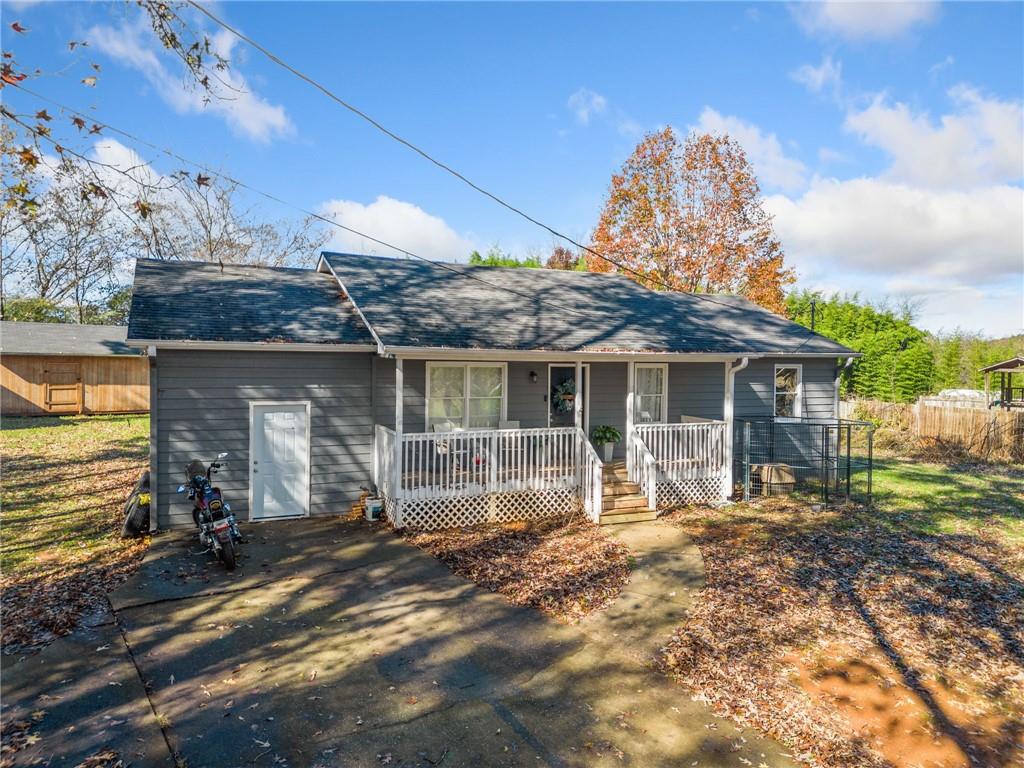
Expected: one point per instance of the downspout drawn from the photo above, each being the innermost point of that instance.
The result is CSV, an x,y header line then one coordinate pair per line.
x,y
728,408
838,379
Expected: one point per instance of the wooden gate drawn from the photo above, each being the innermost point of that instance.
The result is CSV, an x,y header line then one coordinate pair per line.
x,y
63,385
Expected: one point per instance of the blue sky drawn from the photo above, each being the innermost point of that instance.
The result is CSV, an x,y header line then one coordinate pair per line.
x,y
887,138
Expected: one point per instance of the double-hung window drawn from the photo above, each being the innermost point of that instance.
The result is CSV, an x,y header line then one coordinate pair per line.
x,y
650,393
466,395
788,391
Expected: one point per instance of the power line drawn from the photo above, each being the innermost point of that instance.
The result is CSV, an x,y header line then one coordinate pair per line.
x,y
418,150
269,196
330,221
435,161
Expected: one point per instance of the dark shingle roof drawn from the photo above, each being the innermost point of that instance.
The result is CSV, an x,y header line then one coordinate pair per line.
x,y
419,304
18,338
198,301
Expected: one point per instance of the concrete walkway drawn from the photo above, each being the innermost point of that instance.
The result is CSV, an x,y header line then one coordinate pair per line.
x,y
666,579
336,644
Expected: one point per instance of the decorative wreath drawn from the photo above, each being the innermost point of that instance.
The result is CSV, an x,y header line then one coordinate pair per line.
x,y
565,395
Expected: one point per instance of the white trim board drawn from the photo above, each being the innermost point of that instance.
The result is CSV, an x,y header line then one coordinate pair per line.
x,y
586,391
253,404
252,346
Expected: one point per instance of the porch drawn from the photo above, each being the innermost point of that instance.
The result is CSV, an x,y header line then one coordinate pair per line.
x,y
673,417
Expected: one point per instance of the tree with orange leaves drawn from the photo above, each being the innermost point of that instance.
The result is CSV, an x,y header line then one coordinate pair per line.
x,y
691,218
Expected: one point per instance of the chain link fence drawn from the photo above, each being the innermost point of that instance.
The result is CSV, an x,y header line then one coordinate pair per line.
x,y
829,460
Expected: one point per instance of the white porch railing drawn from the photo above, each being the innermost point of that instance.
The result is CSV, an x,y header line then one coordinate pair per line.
x,y
680,462
533,472
592,477
643,469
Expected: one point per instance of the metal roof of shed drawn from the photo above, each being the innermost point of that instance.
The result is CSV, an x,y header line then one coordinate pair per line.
x,y
21,338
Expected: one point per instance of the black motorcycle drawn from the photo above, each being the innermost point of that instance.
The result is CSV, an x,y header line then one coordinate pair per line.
x,y
218,531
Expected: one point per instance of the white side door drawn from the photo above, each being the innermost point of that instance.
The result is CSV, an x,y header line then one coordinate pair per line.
x,y
279,460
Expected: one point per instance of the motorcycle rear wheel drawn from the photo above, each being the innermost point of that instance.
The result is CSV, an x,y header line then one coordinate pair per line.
x,y
227,554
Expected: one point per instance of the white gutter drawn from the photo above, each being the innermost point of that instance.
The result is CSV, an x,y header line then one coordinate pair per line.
x,y
728,408
450,353
251,346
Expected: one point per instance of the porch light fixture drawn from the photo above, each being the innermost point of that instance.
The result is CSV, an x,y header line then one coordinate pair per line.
x,y
533,377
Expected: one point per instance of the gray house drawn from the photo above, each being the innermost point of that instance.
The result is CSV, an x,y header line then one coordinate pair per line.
x,y
461,393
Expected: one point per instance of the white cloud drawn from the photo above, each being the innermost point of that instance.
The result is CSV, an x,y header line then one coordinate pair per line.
x,y
772,166
982,141
938,66
586,103
874,226
247,113
862,20
403,224
826,76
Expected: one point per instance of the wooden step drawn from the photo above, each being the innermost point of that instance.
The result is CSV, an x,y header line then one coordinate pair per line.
x,y
619,488
628,501
637,516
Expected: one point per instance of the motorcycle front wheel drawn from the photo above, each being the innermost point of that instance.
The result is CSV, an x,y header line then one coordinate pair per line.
x,y
227,554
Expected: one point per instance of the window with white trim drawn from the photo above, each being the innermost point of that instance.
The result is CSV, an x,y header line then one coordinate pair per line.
x,y
788,390
465,395
650,393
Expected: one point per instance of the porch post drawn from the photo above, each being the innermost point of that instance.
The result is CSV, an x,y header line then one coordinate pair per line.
x,y
399,404
630,411
728,409
577,402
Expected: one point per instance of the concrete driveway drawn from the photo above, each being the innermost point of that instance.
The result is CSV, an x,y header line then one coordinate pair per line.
x,y
335,644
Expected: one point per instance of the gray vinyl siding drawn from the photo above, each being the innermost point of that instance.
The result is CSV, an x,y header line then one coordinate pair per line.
x,y
696,389
755,387
203,408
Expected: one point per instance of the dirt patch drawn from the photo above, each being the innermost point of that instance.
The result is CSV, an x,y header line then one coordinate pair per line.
x,y
895,720
838,632
568,568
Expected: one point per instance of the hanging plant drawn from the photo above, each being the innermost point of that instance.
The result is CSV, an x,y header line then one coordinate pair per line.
x,y
565,396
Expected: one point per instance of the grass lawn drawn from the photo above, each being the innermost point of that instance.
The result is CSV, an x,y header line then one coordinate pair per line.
x,y
65,480
884,636
936,498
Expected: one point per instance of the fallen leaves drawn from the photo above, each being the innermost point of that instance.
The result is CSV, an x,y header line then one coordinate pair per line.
x,y
567,568
65,482
784,580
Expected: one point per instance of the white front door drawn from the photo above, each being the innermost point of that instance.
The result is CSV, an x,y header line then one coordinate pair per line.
x,y
280,460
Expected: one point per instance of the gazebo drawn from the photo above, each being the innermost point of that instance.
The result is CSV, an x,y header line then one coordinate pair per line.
x,y
1010,396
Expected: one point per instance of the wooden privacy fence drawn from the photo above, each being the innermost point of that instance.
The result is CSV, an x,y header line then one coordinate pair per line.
x,y
984,434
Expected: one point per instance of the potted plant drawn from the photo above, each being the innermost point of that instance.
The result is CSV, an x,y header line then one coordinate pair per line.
x,y
606,436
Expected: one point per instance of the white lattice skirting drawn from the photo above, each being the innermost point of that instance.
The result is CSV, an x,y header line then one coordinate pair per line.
x,y
671,493
432,514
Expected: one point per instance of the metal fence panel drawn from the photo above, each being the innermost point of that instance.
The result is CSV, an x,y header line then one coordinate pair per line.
x,y
825,459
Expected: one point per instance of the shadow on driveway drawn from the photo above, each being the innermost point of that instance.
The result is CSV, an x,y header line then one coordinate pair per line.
x,y
338,644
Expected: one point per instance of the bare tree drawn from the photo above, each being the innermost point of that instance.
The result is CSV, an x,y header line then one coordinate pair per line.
x,y
202,219
76,242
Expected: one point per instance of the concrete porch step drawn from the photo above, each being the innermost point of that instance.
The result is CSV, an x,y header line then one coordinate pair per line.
x,y
628,516
626,501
